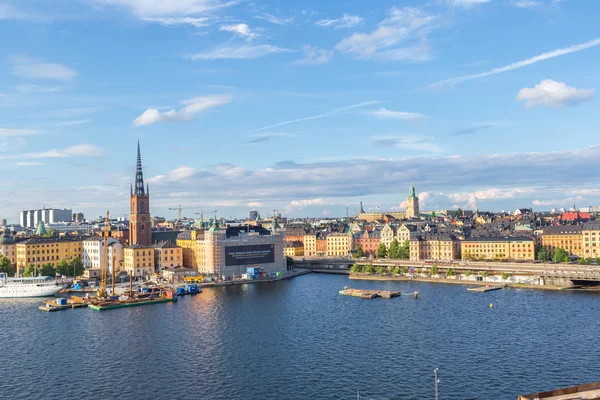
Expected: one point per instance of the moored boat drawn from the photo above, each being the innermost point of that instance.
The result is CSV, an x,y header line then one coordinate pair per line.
x,y
39,286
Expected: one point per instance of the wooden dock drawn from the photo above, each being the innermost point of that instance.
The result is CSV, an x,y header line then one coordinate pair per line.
x,y
483,289
369,294
72,303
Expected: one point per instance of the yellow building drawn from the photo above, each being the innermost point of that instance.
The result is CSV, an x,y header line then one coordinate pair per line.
x,y
294,249
167,255
403,233
310,245
387,235
339,244
192,251
591,240
569,237
434,247
40,251
138,260
515,248
8,248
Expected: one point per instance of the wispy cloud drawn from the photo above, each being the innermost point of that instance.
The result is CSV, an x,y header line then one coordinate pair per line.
x,y
345,21
275,19
242,52
15,133
148,9
407,142
314,56
31,68
241,30
519,64
261,138
471,130
327,114
28,163
31,88
390,114
526,3
74,123
553,94
193,106
79,150
466,3
402,36
198,22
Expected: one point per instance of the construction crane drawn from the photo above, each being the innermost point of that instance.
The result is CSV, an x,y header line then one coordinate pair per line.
x,y
178,209
104,265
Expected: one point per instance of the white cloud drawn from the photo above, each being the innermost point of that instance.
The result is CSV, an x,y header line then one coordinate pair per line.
x,y
385,113
255,204
553,94
407,142
35,69
14,133
74,123
275,19
242,52
314,56
466,3
174,8
241,30
28,164
180,174
526,3
402,36
519,64
198,22
345,21
327,114
79,150
192,106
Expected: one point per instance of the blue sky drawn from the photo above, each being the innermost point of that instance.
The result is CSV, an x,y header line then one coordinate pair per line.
x,y
306,107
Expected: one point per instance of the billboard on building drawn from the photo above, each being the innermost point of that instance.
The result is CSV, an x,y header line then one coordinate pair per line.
x,y
250,254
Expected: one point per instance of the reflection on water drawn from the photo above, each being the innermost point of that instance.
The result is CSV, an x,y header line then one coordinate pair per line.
x,y
299,339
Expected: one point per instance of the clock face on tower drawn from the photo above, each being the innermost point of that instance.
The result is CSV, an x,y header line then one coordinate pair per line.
x,y
143,219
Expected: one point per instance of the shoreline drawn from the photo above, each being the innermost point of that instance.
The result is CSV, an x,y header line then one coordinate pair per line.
x,y
457,282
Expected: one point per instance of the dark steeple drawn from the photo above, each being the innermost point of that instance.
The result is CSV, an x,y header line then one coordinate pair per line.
x,y
139,175
362,211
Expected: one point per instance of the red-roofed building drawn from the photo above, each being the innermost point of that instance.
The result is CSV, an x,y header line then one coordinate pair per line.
x,y
571,216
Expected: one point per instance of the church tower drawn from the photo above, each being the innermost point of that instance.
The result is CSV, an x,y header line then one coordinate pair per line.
x,y
412,204
140,229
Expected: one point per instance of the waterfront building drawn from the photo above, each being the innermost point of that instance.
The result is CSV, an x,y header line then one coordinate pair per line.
x,y
92,254
321,244
294,249
435,247
310,245
591,239
404,232
412,204
140,230
513,248
294,234
388,233
192,249
138,260
31,218
167,255
40,251
568,237
339,244
369,241
8,247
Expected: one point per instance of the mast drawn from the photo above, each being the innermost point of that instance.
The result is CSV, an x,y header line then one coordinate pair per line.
x,y
104,264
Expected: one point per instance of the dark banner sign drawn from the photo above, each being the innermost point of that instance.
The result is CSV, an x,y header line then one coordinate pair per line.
x,y
249,255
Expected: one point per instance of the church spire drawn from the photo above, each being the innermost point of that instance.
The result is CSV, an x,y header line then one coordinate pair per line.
x,y
139,175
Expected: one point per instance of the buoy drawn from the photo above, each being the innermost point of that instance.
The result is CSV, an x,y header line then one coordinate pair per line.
x,y
491,305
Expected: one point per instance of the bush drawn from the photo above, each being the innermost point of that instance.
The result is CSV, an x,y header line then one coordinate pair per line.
x,y
381,271
467,273
434,270
404,269
505,276
450,272
356,268
369,269
395,271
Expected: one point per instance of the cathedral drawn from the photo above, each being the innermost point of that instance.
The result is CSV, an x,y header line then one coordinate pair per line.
x,y
140,228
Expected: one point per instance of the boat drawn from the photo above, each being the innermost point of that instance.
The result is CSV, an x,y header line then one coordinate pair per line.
x,y
39,286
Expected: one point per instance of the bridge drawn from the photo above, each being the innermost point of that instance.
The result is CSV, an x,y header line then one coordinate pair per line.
x,y
558,274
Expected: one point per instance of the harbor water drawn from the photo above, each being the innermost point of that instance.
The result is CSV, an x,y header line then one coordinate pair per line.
x,y
299,339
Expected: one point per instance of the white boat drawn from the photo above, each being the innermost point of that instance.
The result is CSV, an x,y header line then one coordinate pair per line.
x,y
40,286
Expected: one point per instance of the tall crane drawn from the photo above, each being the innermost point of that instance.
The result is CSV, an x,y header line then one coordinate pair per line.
x,y
104,264
178,209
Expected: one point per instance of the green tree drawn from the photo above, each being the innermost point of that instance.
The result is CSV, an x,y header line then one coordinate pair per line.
x,y
369,269
467,273
395,271
358,252
394,251
434,269
450,272
356,268
404,253
542,254
75,267
6,266
381,271
433,215
560,255
30,270
404,269
505,276
62,268
381,251
485,274
47,270
49,233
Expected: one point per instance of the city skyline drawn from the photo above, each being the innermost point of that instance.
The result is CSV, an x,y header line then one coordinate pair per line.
x,y
307,110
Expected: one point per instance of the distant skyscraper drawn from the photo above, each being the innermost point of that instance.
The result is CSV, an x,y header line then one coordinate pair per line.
x,y
32,218
3,222
78,217
140,231
412,204
253,215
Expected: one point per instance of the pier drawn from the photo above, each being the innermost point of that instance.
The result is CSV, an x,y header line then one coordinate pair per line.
x,y
369,294
483,289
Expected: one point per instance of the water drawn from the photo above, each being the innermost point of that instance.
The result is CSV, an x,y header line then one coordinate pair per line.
x,y
299,339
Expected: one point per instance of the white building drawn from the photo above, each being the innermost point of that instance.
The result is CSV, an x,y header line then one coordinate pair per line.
x,y
92,253
31,218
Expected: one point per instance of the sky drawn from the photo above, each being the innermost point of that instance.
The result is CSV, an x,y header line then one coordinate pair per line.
x,y
305,107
